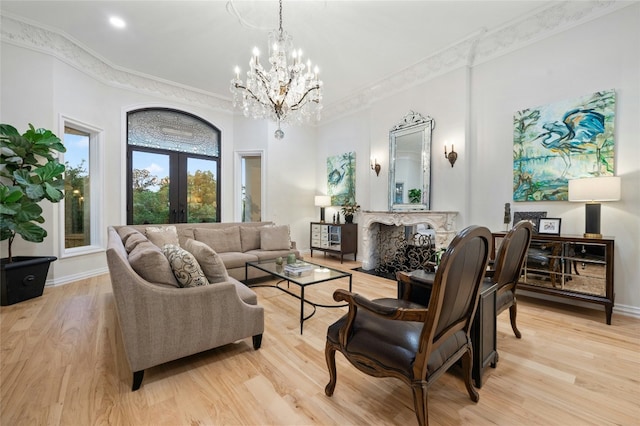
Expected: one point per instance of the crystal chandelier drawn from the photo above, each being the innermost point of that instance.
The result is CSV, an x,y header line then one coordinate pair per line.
x,y
289,92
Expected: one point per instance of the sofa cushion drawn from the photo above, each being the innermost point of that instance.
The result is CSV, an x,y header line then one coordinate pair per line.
x,y
271,254
209,261
220,240
161,235
250,237
151,264
185,267
234,260
131,238
275,238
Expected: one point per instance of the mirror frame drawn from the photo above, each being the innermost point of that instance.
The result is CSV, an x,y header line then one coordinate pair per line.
x,y
413,122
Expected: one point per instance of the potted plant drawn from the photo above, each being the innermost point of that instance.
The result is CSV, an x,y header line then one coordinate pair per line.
x,y
415,196
349,209
29,173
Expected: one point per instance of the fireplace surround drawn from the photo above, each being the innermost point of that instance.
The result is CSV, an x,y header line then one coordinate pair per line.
x,y
443,222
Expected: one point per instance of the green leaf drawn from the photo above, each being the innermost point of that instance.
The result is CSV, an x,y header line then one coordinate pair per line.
x,y
9,195
52,193
31,232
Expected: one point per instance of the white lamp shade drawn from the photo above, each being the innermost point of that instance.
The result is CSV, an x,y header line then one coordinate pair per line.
x,y
602,188
323,200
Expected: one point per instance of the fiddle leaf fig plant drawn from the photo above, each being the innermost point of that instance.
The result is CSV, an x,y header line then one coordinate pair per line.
x,y
29,173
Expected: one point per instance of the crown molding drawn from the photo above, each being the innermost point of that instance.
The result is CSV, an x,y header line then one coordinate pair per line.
x,y
31,36
474,50
478,48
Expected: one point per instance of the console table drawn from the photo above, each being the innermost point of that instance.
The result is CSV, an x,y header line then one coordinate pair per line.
x,y
483,329
569,266
336,238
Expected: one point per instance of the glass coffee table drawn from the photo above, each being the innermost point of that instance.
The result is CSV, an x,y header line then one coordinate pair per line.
x,y
308,274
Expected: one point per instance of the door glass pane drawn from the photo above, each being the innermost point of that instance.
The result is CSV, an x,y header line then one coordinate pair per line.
x,y
150,187
201,190
251,188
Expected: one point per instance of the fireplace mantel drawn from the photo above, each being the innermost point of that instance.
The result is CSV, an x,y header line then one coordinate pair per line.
x,y
442,222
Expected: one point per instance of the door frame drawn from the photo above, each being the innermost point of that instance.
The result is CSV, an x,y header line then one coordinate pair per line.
x,y
237,190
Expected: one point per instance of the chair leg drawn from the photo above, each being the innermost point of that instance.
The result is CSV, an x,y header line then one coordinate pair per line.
x,y
257,341
420,402
513,311
467,362
330,357
137,380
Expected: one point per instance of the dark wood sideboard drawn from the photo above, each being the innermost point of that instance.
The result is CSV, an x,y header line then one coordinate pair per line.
x,y
334,238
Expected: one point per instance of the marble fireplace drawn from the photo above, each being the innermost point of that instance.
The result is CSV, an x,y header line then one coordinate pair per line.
x,y
443,222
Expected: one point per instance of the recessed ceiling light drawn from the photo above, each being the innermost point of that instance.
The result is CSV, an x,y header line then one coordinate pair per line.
x,y
117,22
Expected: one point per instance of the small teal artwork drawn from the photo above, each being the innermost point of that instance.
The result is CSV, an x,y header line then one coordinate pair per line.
x,y
341,178
562,141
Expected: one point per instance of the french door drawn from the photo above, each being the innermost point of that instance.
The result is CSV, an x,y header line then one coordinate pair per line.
x,y
171,187
173,168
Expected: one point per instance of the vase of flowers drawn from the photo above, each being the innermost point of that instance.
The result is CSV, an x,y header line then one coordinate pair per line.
x,y
349,209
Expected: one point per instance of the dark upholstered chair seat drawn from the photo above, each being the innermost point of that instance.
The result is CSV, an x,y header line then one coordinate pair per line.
x,y
393,344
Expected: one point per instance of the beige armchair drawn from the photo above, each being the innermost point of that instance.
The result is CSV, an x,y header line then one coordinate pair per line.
x,y
161,323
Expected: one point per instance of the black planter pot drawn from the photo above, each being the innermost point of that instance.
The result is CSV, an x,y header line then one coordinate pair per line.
x,y
24,278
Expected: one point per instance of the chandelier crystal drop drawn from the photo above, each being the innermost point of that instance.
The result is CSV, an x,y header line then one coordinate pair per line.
x,y
289,92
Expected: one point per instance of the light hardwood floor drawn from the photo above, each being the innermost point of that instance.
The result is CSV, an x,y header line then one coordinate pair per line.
x,y
62,362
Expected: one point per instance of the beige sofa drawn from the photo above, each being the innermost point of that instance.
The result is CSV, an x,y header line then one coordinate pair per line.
x,y
237,243
159,320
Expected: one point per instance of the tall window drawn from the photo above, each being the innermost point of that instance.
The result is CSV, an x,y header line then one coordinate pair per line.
x,y
82,212
173,164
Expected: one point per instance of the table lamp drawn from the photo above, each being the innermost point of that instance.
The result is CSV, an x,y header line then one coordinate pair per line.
x,y
322,201
593,190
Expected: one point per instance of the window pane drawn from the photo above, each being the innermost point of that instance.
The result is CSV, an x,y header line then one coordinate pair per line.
x,y
251,188
150,185
77,189
201,190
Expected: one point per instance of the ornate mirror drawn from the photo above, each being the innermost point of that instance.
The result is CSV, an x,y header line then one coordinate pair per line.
x,y
410,163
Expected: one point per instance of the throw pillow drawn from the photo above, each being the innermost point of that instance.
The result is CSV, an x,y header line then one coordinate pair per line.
x,y
162,235
275,238
222,240
209,261
149,262
185,267
131,238
250,237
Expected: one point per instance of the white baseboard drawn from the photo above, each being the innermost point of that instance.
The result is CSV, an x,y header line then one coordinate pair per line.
x,y
76,277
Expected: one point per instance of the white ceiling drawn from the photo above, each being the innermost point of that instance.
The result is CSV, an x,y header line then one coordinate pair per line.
x,y
198,43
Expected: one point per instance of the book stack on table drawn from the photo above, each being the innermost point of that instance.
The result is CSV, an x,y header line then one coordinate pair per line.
x,y
298,269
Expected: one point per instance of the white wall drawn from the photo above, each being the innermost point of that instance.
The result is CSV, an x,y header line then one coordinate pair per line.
x,y
598,55
473,109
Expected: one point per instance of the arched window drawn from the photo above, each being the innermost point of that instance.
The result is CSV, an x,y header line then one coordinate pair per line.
x,y
173,167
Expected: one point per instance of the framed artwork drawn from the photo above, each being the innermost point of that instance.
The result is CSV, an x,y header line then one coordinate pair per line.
x,y
533,217
549,226
341,178
561,141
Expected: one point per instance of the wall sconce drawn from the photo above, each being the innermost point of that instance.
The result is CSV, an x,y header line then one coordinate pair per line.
x,y
322,201
375,166
452,156
591,190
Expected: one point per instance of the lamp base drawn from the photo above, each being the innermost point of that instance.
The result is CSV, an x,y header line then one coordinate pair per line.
x,y
590,235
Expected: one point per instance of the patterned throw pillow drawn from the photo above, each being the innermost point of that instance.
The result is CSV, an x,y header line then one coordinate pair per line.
x,y
185,267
